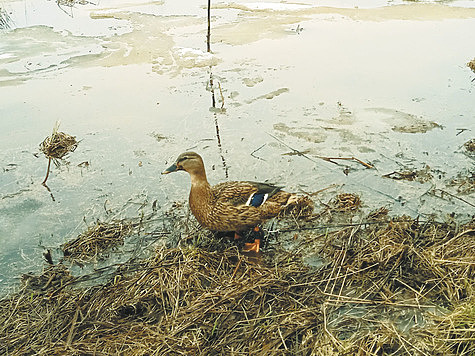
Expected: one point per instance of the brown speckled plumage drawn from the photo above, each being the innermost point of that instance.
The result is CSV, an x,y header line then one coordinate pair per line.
x,y
223,207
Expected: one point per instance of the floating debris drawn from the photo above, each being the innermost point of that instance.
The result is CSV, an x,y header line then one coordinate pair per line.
x,y
98,238
422,176
71,4
471,65
465,183
470,145
56,147
345,202
420,126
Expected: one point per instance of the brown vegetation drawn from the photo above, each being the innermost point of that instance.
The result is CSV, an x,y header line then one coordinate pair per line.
x,y
392,286
56,147
471,65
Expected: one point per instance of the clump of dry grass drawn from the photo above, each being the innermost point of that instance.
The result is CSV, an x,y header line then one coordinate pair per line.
x,y
471,65
398,286
301,207
96,239
56,147
464,183
470,145
345,202
422,175
427,260
380,214
339,209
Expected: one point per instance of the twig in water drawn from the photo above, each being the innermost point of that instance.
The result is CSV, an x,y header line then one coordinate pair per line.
x,y
220,147
222,96
211,88
297,152
208,36
47,171
329,159
257,149
334,185
451,195
460,131
49,190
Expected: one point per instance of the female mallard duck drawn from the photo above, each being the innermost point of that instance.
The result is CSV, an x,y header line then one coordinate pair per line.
x,y
234,206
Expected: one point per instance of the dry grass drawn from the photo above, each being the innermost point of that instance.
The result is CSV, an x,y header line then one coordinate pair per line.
x,y
454,332
464,184
59,144
182,301
470,145
56,147
302,207
397,286
98,238
471,65
422,175
345,202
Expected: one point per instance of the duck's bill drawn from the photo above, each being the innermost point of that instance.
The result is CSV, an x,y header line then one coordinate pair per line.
x,y
171,169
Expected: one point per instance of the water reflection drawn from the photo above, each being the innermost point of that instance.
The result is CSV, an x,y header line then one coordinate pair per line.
x,y
388,86
216,111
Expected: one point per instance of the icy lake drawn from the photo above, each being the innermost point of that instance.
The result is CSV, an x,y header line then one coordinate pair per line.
x,y
285,86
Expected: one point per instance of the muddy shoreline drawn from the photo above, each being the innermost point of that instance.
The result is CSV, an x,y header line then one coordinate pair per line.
x,y
382,286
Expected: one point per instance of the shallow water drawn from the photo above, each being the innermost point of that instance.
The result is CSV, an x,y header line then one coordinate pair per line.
x,y
385,82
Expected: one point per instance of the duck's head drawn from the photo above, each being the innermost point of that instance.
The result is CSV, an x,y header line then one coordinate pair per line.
x,y
190,162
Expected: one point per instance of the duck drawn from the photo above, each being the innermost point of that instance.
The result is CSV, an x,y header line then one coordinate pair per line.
x,y
235,206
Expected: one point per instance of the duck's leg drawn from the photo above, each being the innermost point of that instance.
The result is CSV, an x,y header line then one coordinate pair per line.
x,y
236,236
253,246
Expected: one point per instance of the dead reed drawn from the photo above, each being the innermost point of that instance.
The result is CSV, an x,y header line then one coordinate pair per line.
x,y
56,147
470,145
345,202
471,65
97,239
397,286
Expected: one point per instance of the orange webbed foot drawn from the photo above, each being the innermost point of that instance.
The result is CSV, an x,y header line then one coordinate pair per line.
x,y
254,246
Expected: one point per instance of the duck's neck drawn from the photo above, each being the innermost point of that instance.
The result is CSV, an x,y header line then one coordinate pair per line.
x,y
198,178
200,195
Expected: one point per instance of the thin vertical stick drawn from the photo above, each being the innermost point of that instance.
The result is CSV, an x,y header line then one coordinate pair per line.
x,y
47,171
222,96
208,37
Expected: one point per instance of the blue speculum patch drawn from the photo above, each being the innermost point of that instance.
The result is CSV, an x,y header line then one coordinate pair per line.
x,y
257,199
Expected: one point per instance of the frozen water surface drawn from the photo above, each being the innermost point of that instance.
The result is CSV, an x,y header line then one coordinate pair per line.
x,y
385,82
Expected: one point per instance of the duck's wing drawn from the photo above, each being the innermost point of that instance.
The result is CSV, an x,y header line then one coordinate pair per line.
x,y
244,193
